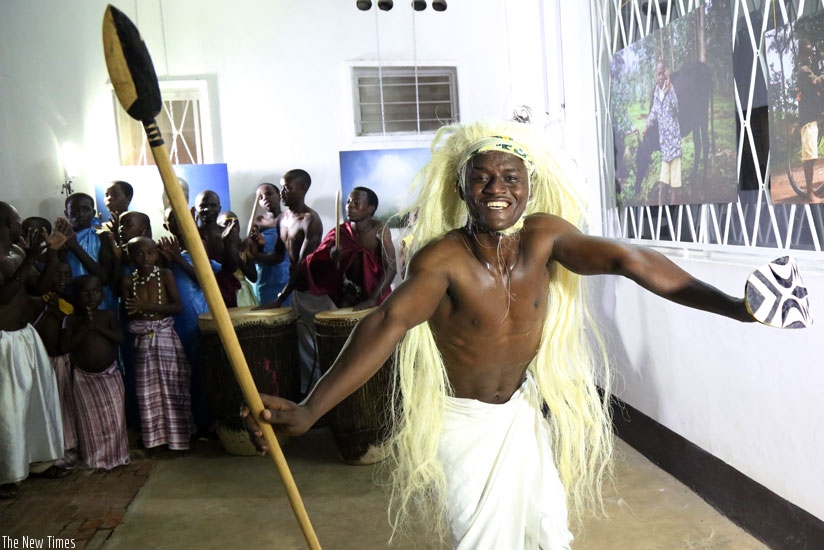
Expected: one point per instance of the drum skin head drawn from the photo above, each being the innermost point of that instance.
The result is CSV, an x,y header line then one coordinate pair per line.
x,y
247,314
342,315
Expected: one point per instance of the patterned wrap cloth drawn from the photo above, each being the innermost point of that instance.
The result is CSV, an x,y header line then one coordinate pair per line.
x,y
101,417
162,384
665,112
62,366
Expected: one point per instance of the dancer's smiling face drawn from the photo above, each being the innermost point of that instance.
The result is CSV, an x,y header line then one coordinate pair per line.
x,y
496,190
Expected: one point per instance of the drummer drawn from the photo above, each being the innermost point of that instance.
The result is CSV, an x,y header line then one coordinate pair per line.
x,y
352,267
300,229
355,263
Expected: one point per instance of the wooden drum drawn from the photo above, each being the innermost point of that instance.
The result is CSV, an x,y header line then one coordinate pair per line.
x,y
360,423
269,342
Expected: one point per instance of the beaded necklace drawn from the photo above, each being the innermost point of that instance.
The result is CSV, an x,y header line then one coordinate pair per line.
x,y
138,280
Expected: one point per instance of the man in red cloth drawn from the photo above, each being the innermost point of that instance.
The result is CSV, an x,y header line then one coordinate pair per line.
x,y
357,271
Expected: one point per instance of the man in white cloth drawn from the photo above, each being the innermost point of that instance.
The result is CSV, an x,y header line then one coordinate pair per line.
x,y
31,429
490,323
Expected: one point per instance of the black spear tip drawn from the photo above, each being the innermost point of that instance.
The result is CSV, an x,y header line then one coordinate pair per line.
x,y
130,67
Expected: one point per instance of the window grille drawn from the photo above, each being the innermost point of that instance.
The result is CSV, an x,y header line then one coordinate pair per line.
x,y
404,100
752,220
184,123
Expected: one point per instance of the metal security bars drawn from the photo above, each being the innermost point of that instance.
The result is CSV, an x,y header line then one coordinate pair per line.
x,y
184,123
404,100
753,220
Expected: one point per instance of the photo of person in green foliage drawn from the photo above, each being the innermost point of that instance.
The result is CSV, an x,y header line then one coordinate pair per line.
x,y
673,113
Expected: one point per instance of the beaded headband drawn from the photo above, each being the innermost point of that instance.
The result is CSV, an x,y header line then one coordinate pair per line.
x,y
487,144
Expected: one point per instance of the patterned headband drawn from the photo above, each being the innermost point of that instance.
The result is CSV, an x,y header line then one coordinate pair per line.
x,y
493,143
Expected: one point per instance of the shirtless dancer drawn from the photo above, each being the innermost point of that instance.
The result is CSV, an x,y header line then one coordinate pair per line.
x,y
490,324
26,375
301,230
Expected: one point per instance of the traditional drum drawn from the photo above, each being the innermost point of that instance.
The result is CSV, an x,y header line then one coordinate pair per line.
x,y
269,342
360,423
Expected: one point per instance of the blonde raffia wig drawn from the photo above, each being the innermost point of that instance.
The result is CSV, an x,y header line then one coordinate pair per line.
x,y
564,367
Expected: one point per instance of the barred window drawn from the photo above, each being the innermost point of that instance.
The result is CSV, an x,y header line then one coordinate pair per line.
x,y
404,100
184,122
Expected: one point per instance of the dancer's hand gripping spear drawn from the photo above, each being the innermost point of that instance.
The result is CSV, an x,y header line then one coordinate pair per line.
x,y
135,83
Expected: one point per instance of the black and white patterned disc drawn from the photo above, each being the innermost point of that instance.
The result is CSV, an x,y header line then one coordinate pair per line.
x,y
776,295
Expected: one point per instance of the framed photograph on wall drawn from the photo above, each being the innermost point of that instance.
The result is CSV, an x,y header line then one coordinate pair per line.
x,y
671,97
795,64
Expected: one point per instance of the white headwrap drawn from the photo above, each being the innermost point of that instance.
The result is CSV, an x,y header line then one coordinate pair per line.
x,y
493,143
503,144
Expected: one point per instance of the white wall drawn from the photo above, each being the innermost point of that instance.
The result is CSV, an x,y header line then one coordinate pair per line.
x,y
277,69
748,394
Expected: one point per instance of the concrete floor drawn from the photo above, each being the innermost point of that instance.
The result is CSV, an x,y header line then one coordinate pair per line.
x,y
210,499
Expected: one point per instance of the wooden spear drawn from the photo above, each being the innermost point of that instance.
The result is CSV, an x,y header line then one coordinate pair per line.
x,y
337,225
135,83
